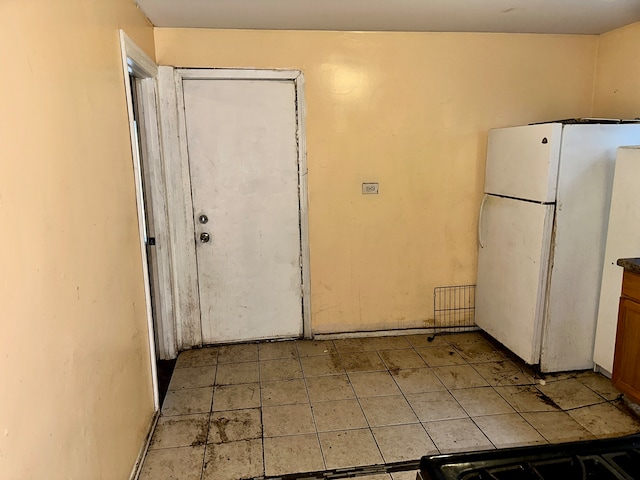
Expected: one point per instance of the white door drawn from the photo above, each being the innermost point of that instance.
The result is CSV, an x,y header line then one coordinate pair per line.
x,y
243,160
512,273
522,162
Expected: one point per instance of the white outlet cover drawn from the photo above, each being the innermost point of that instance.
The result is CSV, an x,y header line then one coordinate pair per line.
x,y
370,188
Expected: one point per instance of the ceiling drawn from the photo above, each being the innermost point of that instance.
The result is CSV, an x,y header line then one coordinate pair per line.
x,y
509,16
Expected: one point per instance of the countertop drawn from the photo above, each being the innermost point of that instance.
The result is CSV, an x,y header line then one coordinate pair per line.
x,y
630,264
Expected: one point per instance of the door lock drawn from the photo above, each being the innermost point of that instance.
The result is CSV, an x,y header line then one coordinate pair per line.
x,y
205,237
203,219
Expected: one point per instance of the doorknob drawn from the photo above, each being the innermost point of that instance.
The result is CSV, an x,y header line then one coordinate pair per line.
x,y
203,219
205,237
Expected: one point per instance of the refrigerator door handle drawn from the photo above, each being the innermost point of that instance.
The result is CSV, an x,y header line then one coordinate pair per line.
x,y
484,200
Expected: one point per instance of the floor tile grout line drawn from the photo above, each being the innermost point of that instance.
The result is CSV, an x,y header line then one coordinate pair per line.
x,y
264,462
315,425
206,442
472,418
413,409
407,400
357,398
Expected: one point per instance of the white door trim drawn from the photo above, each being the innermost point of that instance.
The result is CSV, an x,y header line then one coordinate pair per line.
x,y
178,189
180,207
142,65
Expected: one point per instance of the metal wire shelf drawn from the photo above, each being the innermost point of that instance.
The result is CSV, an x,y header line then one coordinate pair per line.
x,y
454,308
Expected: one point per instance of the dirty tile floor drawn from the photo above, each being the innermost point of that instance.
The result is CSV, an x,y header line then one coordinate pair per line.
x,y
269,409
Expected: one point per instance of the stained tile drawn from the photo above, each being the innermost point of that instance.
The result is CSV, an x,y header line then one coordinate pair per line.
x,y
479,352
233,460
570,393
180,431
197,357
509,430
192,377
236,373
383,411
235,425
277,350
183,463
459,435
292,454
373,384
557,427
332,387
353,345
434,406
245,352
504,373
401,359
481,401
526,399
399,443
284,392
284,369
417,380
321,365
184,402
287,420
338,415
558,376
459,376
362,362
466,338
439,356
599,384
393,342
605,420
349,448
235,397
309,348
423,340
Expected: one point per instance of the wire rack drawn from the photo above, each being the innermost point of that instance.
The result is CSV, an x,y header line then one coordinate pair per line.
x,y
454,308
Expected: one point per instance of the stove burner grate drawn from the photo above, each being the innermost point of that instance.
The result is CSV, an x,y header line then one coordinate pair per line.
x,y
611,459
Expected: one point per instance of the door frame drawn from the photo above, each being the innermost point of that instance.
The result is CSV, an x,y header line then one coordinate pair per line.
x,y
178,190
136,64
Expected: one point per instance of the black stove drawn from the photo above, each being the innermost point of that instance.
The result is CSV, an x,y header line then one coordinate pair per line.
x,y
615,459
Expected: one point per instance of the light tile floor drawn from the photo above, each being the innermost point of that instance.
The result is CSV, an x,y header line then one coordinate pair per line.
x,y
253,410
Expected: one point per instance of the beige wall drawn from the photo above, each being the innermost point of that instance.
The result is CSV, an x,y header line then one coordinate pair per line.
x,y
411,111
75,389
617,85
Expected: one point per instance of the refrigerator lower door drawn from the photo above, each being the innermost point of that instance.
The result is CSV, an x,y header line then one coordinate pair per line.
x,y
513,260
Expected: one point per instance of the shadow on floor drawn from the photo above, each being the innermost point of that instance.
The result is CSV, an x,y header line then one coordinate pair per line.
x,y
165,370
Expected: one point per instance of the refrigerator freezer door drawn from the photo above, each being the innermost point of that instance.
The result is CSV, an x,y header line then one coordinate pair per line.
x,y
512,273
623,241
522,162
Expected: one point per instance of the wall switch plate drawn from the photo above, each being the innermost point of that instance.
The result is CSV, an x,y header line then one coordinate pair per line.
x,y
369,188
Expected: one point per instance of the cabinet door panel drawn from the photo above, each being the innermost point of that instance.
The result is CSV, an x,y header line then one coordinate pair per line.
x,y
626,363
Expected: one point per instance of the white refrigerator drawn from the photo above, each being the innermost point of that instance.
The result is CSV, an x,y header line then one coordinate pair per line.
x,y
541,233
623,241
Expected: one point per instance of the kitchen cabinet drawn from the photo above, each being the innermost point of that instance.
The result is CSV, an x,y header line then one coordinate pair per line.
x,y
626,360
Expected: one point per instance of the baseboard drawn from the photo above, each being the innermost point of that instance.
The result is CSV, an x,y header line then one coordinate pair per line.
x,y
385,333
137,467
